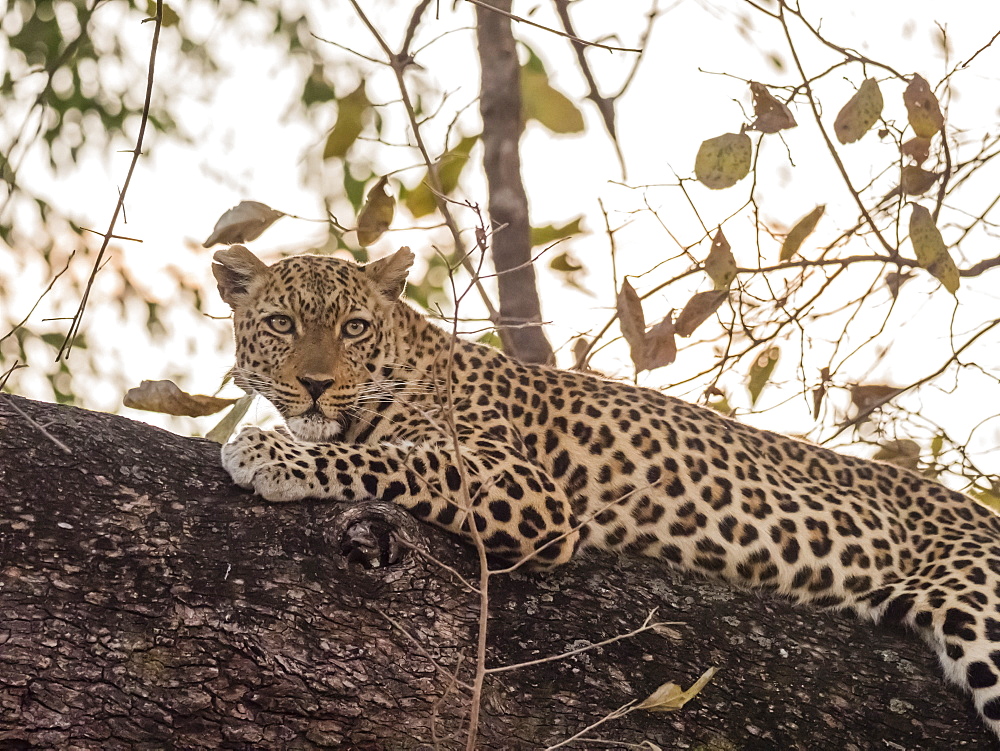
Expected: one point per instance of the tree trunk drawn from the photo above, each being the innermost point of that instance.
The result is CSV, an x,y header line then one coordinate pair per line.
x,y
500,105
146,602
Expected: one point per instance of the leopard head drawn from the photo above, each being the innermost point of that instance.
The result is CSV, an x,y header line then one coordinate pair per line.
x,y
314,334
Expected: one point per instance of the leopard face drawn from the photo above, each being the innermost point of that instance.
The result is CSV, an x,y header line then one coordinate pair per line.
x,y
315,356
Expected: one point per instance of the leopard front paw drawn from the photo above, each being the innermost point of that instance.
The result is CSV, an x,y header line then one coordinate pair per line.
x,y
265,461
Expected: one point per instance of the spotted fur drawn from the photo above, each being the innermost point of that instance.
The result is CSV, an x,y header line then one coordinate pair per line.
x,y
384,404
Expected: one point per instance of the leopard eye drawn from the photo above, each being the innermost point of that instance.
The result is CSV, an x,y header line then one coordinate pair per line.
x,y
281,324
355,327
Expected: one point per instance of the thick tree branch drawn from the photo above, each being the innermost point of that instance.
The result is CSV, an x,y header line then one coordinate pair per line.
x,y
147,602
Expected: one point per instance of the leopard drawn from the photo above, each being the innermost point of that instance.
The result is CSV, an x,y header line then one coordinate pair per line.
x,y
536,463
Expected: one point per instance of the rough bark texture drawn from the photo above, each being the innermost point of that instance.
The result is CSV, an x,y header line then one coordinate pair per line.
x,y
500,105
145,602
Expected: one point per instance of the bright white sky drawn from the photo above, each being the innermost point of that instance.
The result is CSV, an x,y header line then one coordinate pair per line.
x,y
247,148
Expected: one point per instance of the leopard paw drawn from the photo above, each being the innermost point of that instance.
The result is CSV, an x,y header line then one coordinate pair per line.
x,y
261,460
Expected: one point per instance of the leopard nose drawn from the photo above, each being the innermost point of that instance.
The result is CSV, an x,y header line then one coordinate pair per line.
x,y
314,386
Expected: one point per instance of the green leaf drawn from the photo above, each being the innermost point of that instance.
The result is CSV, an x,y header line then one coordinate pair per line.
x,y
550,233
802,229
420,200
490,338
720,265
860,113
169,18
932,253
541,102
723,161
565,263
760,372
351,111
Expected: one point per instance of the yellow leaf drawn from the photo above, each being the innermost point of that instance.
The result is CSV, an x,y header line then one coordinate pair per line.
x,y
225,427
420,200
723,161
541,102
771,114
167,397
720,264
860,113
669,696
376,215
244,222
802,229
351,111
698,309
931,252
922,107
760,372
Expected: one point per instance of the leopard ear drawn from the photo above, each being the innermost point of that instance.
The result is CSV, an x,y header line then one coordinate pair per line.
x,y
389,274
236,269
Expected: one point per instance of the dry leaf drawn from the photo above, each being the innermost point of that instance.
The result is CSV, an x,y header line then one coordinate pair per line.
x,y
802,229
660,346
771,114
860,113
581,347
902,452
723,161
244,222
932,254
922,108
917,148
670,697
896,279
376,215
916,181
167,397
720,264
632,321
225,427
698,309
870,396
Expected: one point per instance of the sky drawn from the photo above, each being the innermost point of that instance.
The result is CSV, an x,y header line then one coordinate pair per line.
x,y
691,85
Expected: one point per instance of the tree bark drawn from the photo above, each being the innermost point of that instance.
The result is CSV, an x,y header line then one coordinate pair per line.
x,y
500,106
146,602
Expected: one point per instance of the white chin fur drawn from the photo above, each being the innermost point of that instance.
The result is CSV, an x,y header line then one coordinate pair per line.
x,y
314,429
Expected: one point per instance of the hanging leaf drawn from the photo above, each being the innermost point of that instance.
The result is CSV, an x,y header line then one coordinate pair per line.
x,y
669,697
565,263
376,215
244,222
225,427
931,252
922,107
917,148
896,279
771,114
420,200
660,346
802,229
902,452
860,113
581,348
168,398
916,181
351,111
870,396
698,309
541,102
720,264
632,322
760,372
723,161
